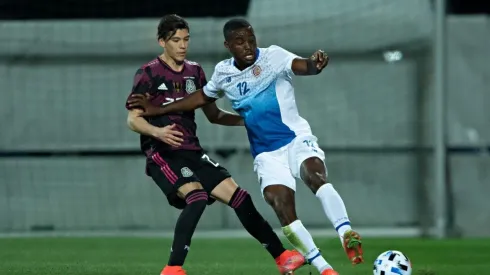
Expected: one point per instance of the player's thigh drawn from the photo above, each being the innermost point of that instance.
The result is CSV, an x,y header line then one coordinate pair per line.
x,y
277,184
174,178
186,188
272,169
301,149
225,190
215,179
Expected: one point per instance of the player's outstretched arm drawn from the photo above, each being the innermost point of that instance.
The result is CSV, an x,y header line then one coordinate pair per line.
x,y
192,102
310,66
216,115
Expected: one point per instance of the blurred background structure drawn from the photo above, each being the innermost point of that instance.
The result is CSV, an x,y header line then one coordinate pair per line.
x,y
399,86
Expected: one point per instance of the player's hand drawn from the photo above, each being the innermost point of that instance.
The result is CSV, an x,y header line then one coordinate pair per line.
x,y
170,136
320,58
143,102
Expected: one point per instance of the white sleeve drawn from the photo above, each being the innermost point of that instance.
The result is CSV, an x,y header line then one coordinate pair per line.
x,y
281,59
212,89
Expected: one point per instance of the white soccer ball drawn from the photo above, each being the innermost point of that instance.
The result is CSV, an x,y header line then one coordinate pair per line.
x,y
392,262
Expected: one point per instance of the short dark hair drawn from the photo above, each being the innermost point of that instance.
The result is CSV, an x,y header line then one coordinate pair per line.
x,y
233,25
169,24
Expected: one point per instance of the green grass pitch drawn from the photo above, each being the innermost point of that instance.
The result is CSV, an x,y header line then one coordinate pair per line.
x,y
141,256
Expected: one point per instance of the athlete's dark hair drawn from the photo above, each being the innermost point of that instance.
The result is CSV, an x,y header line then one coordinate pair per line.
x,y
233,25
169,24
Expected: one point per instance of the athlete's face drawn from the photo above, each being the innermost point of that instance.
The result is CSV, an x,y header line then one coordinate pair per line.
x,y
243,46
176,46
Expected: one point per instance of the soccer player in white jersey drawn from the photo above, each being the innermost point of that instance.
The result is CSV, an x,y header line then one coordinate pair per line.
x,y
258,82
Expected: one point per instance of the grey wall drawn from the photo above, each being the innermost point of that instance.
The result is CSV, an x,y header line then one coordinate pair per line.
x,y
68,92
82,106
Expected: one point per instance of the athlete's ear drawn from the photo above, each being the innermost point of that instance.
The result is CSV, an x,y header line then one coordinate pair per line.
x,y
227,46
161,42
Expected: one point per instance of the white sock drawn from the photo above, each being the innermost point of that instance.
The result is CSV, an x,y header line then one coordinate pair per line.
x,y
301,239
334,208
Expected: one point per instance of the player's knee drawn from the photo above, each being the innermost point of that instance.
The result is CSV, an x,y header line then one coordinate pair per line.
x,y
197,196
313,173
240,197
189,187
225,191
315,181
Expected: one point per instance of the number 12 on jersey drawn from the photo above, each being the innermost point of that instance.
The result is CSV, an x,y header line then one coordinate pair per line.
x,y
242,88
311,145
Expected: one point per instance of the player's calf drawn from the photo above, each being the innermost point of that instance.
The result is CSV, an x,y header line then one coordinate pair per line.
x,y
254,223
281,198
239,199
196,201
313,173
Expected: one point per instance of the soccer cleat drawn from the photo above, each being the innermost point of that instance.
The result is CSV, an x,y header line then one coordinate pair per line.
x,y
329,272
289,261
353,247
173,270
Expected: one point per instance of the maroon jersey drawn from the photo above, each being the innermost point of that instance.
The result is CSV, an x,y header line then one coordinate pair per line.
x,y
166,86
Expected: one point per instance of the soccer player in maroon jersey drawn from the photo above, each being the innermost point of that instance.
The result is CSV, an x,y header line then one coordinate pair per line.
x,y
189,178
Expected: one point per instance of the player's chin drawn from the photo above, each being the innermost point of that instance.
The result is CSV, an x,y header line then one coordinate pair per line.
x,y
179,57
248,60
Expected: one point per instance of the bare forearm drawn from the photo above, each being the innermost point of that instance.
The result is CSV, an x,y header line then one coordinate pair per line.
x,y
311,68
303,66
140,125
190,103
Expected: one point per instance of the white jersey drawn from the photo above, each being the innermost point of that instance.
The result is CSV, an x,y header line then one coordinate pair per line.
x,y
263,95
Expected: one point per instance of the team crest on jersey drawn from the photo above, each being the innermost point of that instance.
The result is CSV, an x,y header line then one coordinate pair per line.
x,y
186,172
177,86
256,70
190,87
